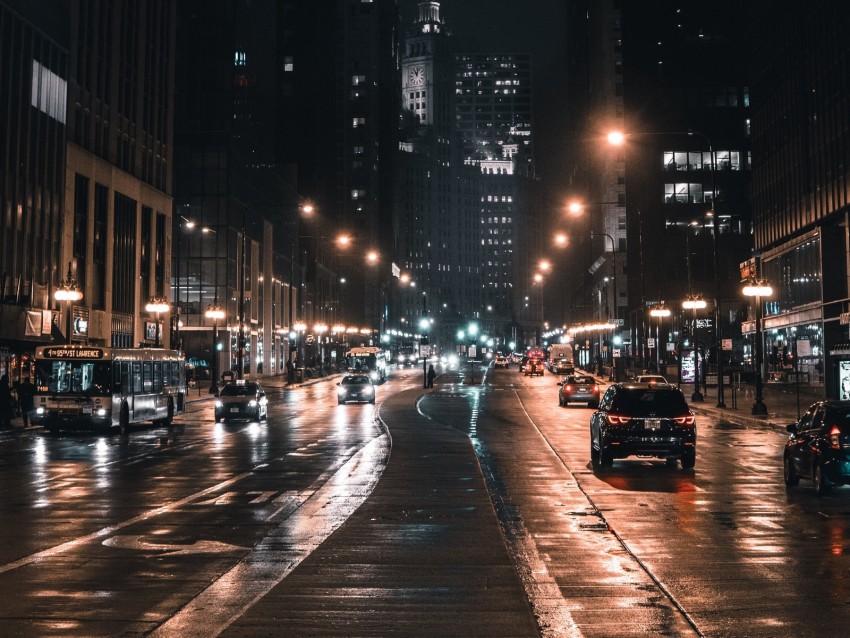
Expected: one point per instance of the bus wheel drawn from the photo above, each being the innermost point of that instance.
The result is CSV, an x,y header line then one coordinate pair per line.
x,y
124,420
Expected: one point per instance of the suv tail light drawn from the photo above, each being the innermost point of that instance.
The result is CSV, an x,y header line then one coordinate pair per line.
x,y
835,437
617,419
568,388
685,420
596,389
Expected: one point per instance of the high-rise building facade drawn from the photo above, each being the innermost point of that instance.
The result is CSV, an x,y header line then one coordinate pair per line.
x,y
436,225
494,123
34,68
801,197
682,177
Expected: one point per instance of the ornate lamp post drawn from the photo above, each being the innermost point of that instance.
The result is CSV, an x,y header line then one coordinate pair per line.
x,y
660,311
758,288
695,302
157,306
69,292
214,312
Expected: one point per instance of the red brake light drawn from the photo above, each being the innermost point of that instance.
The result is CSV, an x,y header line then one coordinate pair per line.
x,y
596,389
834,437
616,419
685,420
568,388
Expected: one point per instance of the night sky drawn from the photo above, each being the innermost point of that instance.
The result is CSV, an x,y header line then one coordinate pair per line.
x,y
507,26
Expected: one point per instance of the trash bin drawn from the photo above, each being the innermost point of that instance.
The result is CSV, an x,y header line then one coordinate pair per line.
x,y
299,375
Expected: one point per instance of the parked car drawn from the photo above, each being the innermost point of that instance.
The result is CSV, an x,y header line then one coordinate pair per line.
x,y
501,361
241,400
650,378
643,420
355,387
578,388
819,447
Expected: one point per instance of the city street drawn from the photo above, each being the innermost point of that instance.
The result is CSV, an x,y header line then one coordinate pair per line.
x,y
469,509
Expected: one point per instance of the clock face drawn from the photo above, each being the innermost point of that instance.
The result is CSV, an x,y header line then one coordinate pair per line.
x,y
416,76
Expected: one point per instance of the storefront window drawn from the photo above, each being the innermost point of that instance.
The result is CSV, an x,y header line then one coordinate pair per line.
x,y
795,276
781,346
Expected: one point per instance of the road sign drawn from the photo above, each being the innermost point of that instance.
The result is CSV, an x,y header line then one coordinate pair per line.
x,y
616,353
650,342
727,344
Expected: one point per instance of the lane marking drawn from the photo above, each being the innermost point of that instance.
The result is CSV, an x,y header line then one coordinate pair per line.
x,y
218,606
139,543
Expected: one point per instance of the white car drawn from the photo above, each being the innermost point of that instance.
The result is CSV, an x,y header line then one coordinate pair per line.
x,y
651,379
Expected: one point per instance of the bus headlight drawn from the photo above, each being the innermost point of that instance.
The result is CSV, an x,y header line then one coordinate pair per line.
x,y
373,375
101,412
39,410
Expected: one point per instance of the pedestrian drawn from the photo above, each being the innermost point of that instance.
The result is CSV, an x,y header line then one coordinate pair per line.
x,y
431,374
26,399
5,403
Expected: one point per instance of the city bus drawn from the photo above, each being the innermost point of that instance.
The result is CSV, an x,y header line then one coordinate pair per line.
x,y
371,359
90,387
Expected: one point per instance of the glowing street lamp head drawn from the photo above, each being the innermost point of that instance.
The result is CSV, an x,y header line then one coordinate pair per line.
x,y
561,239
538,278
617,138
575,208
758,288
307,208
372,256
545,265
343,241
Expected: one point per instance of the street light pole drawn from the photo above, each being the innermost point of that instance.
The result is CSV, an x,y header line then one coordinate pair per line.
x,y
240,337
157,306
69,292
758,288
695,302
214,312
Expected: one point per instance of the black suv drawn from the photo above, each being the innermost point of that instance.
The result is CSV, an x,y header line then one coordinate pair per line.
x,y
819,447
643,420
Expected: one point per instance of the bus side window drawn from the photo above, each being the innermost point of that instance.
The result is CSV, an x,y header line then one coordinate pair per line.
x,y
157,376
137,377
166,373
147,377
126,378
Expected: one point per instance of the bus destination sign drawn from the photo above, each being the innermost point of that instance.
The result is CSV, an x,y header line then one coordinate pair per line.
x,y
73,353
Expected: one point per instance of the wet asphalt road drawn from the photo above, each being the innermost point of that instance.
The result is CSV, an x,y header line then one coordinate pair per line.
x,y
204,529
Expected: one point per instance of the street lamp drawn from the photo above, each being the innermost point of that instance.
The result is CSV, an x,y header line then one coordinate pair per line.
x,y
156,306
695,302
660,311
758,288
69,292
216,313
618,138
472,333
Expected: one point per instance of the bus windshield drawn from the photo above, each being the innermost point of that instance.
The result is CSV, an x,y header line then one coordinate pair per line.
x,y
66,377
362,362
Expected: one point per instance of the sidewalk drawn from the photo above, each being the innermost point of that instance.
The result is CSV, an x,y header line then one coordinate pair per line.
x,y
781,400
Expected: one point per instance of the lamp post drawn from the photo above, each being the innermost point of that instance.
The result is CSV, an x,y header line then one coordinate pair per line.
x,y
300,327
69,292
472,332
157,306
695,302
214,312
660,312
758,288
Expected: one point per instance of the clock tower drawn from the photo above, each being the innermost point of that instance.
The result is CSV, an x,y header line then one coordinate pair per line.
x,y
428,70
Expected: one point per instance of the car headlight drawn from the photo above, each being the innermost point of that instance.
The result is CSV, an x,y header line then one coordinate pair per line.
x,y
341,391
39,410
218,403
101,412
401,358
252,403
369,390
373,375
